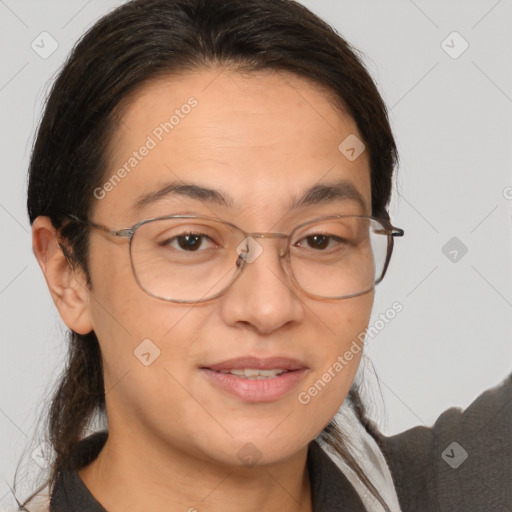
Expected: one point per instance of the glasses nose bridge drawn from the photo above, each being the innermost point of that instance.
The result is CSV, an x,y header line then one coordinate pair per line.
x,y
282,251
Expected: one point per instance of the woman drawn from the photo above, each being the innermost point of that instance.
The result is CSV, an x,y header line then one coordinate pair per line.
x,y
208,195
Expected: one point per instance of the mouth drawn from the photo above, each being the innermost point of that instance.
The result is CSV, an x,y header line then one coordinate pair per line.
x,y
256,380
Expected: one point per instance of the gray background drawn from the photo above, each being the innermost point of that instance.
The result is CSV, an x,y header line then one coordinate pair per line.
x,y
452,118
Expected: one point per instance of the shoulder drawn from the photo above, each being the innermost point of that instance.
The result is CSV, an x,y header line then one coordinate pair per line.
x,y
462,462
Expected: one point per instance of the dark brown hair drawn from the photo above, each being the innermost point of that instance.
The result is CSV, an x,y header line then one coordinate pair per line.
x,y
131,46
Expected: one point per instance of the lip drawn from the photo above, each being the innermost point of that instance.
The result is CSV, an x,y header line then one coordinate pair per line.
x,y
264,390
256,390
270,363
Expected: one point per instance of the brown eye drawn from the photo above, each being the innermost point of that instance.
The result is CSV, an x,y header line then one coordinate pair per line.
x,y
320,241
189,242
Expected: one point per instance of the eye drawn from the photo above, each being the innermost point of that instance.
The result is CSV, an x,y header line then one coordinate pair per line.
x,y
189,242
321,241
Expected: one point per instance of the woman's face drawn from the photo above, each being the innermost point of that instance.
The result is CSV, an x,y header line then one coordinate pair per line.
x,y
261,140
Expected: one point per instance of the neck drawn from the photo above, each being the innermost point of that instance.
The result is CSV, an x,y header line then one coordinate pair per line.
x,y
138,476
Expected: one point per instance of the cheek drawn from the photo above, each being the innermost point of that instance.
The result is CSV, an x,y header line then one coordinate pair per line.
x,y
140,336
338,357
348,317
123,316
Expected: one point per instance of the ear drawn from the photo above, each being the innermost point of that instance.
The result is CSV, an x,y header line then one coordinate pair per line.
x,y
68,287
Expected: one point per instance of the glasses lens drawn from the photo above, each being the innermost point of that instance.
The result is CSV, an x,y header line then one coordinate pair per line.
x,y
185,259
337,258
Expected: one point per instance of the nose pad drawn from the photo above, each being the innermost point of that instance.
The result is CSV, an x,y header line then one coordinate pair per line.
x,y
249,250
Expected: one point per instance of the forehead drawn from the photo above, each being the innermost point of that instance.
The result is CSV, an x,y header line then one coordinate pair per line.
x,y
262,137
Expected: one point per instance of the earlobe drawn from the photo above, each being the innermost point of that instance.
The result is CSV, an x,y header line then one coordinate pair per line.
x,y
68,286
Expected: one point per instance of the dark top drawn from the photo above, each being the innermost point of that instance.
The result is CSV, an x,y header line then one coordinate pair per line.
x,y
462,463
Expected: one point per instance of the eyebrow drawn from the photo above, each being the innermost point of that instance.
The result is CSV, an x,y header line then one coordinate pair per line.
x,y
324,193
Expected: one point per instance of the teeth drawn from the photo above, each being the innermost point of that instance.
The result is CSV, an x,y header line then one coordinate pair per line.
x,y
251,373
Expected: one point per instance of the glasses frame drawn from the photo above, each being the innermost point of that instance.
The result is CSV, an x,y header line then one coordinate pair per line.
x,y
389,230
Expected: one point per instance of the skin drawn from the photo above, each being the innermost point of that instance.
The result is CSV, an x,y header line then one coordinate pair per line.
x,y
261,138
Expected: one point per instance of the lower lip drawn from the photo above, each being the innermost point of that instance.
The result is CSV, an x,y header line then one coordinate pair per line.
x,y
256,390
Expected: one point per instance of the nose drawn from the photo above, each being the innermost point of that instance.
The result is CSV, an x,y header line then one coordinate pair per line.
x,y
263,295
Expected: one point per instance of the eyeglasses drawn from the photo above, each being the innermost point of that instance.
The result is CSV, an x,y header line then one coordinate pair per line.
x,y
190,259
